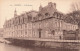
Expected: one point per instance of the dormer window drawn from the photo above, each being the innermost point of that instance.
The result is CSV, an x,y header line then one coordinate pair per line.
x,y
56,14
29,17
46,14
39,15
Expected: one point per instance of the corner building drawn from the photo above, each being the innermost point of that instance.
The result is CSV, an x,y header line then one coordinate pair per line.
x,y
45,23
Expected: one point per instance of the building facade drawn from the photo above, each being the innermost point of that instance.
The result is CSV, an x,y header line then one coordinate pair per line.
x,y
45,23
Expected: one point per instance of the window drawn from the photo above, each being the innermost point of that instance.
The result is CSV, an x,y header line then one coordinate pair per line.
x,y
25,32
29,17
53,32
56,14
21,26
34,33
39,15
23,19
46,14
19,20
17,27
59,37
25,25
34,18
21,31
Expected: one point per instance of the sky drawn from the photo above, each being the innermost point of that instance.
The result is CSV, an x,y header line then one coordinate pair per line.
x,y
7,7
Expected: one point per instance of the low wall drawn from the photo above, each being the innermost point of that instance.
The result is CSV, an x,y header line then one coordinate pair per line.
x,y
46,44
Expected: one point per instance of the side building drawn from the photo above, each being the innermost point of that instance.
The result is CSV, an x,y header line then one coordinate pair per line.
x,y
45,23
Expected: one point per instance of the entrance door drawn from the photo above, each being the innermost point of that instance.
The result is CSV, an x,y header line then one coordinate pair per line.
x,y
40,33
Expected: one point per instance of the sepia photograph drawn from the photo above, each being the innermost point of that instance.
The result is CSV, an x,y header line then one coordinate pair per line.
x,y
39,25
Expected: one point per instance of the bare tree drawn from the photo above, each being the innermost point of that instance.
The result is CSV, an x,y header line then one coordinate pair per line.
x,y
75,6
75,11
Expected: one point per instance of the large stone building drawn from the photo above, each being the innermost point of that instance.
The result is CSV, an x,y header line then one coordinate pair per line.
x,y
45,23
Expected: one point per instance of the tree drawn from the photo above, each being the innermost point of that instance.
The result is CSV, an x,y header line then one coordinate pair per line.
x,y
75,6
75,15
75,11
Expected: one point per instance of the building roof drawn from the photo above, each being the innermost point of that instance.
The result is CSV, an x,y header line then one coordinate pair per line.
x,y
42,15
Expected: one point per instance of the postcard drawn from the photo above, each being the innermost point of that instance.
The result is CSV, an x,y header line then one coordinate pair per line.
x,y
39,25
